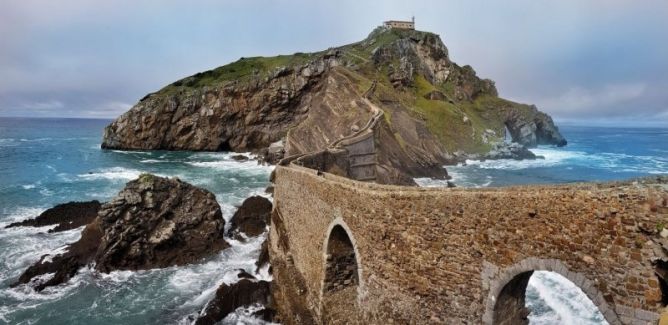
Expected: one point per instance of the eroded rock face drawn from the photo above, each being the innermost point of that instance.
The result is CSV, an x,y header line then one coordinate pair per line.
x,y
158,222
153,222
533,129
67,216
252,217
238,116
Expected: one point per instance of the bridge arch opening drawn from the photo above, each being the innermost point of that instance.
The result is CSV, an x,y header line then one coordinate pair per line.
x,y
544,297
536,291
341,269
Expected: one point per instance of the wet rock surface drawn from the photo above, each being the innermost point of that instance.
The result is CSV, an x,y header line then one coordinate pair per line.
x,y
251,218
153,222
66,216
64,266
229,297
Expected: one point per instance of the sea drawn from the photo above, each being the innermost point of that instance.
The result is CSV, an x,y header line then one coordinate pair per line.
x,y
44,162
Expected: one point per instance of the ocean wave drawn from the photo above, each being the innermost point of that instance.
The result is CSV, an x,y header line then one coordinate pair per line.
x,y
114,173
244,316
552,157
23,246
554,299
36,139
8,142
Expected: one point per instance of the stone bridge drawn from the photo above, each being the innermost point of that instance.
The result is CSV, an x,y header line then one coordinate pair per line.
x,y
346,252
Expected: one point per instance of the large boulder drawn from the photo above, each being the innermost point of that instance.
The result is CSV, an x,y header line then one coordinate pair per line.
x,y
153,222
158,222
251,218
66,216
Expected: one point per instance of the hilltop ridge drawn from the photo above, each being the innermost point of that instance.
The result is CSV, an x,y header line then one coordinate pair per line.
x,y
435,112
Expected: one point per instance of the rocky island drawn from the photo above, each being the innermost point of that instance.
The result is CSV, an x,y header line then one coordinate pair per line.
x,y
434,111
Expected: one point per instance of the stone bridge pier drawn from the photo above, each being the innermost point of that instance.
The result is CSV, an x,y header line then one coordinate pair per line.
x,y
350,252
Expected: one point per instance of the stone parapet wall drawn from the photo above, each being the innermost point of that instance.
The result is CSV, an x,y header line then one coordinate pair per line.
x,y
444,255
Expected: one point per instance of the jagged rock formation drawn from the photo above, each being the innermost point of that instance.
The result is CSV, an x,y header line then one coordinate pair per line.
x,y
153,222
66,216
158,222
251,218
301,103
246,292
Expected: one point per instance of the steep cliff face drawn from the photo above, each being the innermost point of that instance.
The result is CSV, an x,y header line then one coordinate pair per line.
x,y
434,111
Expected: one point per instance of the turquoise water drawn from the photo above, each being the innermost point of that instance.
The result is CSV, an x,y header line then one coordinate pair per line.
x,y
48,161
44,162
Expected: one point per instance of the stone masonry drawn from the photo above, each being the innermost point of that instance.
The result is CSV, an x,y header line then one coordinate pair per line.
x,y
462,256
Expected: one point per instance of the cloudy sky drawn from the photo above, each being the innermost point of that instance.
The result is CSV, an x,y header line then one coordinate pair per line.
x,y
582,61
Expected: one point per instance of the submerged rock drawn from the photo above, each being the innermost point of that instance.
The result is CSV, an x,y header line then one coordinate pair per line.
x,y
153,222
251,218
67,216
229,297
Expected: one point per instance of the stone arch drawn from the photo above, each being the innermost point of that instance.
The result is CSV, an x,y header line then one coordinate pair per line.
x,y
341,258
507,288
339,237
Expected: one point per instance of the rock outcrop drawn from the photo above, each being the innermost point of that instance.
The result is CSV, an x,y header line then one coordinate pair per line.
x,y
66,216
503,150
251,218
158,222
296,104
246,292
153,222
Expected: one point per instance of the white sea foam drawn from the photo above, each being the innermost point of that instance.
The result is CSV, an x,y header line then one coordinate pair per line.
x,y
566,302
244,316
151,161
114,173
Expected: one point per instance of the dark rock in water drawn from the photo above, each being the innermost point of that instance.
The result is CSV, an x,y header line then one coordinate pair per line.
x,y
252,217
153,222
503,150
263,259
66,265
158,222
67,216
240,158
228,298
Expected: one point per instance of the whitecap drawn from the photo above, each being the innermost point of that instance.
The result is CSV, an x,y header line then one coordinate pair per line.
x,y
114,173
567,303
244,316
